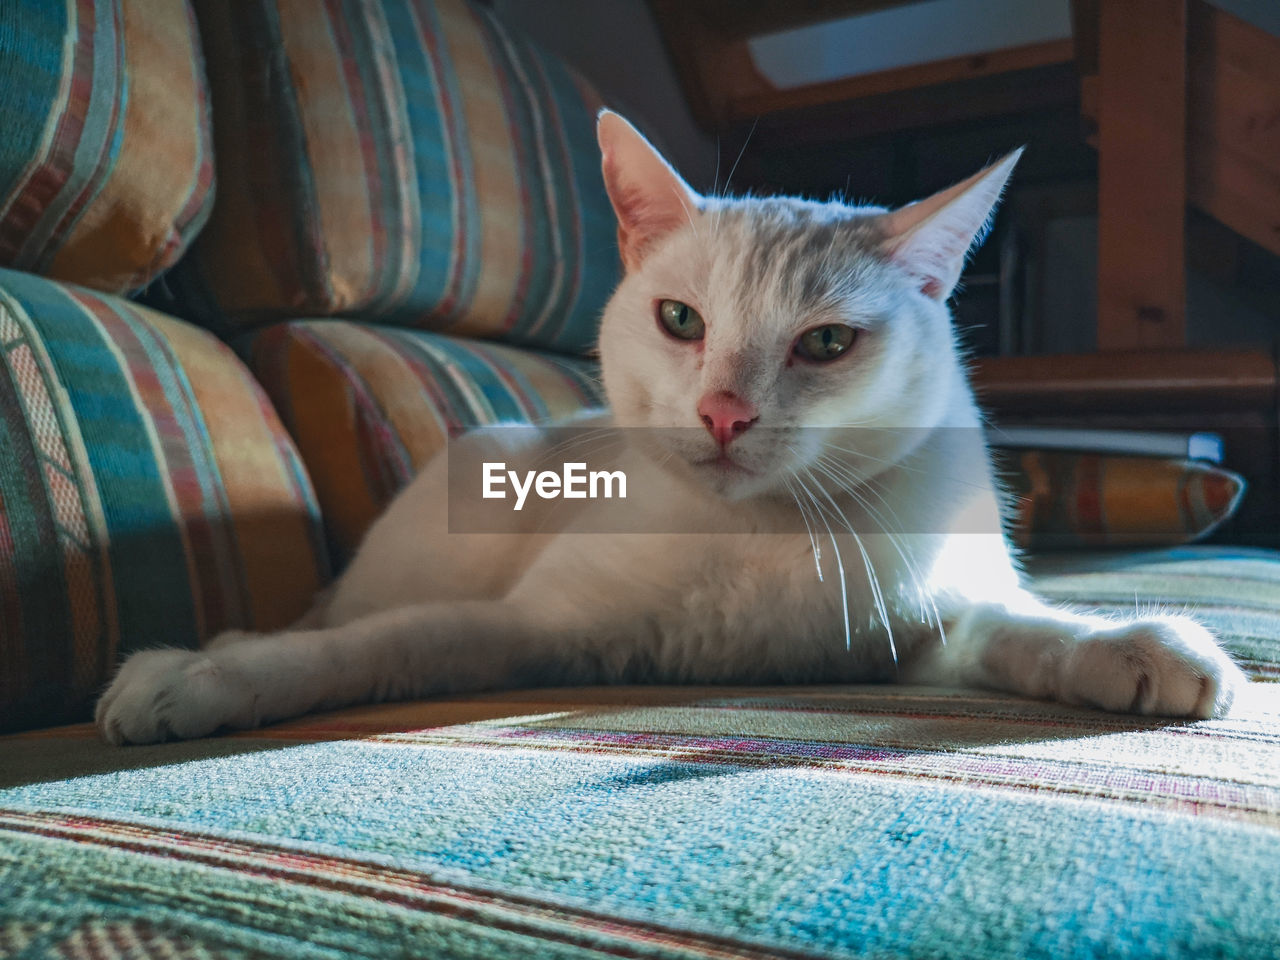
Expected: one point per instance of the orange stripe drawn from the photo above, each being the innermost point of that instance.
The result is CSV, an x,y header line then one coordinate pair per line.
x,y
122,239
494,173
334,156
413,418
272,526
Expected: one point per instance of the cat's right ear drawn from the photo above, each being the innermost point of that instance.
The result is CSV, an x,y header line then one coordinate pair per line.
x,y
648,196
932,237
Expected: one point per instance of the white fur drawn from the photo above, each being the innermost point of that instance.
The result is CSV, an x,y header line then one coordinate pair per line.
x,y
917,581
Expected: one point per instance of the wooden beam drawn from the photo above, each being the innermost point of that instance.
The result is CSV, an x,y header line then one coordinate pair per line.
x,y
1129,382
738,19
1084,34
1233,139
1041,90
748,105
708,44
1142,172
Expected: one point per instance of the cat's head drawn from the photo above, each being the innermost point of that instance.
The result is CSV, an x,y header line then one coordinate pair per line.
x,y
750,329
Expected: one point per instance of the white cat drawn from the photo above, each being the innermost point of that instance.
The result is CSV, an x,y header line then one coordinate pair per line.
x,y
778,325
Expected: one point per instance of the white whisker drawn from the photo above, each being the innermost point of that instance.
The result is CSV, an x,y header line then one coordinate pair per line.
x,y
813,542
877,593
828,465
835,548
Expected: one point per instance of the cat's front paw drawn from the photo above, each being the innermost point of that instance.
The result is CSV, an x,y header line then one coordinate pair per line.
x,y
173,694
1164,666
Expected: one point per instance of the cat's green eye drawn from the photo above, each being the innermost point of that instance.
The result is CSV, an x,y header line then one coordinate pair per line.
x,y
680,320
825,343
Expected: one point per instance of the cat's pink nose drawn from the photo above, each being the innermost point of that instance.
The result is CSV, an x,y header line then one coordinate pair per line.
x,y
726,415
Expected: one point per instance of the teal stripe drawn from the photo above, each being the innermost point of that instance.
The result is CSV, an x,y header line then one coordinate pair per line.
x,y
431,161
100,140
851,865
561,212
535,180
597,226
506,379
148,563
30,73
451,365
193,446
453,140
356,33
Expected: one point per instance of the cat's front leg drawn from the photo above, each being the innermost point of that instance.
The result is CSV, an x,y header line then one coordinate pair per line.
x,y
393,655
1158,665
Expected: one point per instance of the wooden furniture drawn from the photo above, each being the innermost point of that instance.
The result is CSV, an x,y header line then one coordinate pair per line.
x,y
1181,101
708,44
1180,98
1185,98
1235,393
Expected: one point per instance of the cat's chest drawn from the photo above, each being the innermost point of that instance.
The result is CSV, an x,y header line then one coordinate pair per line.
x,y
758,586
749,609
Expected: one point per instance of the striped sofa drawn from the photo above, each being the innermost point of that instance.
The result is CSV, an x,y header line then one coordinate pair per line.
x,y
259,260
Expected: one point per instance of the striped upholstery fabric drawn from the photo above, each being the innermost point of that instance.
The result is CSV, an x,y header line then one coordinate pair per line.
x,y
1087,500
106,172
409,162
890,821
148,495
368,406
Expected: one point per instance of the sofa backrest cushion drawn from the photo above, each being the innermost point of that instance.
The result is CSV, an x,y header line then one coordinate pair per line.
x,y
409,162
149,496
105,166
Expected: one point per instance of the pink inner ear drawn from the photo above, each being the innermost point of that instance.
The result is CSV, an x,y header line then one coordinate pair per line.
x,y
643,220
934,252
932,287
648,196
634,209
931,238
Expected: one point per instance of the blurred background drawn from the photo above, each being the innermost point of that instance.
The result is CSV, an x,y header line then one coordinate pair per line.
x,y
1153,135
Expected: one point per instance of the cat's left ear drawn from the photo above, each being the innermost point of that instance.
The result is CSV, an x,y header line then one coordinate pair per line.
x,y
649,197
931,238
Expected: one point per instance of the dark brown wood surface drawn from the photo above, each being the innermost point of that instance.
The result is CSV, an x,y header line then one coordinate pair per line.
x,y
1233,138
707,43
1141,380
1142,170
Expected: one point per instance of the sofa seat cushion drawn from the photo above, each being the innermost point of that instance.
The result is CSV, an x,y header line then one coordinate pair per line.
x,y
148,495
369,406
885,821
106,172
410,162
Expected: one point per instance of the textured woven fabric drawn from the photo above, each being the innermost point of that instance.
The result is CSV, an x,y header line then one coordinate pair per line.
x,y
890,821
368,406
148,495
1083,500
106,172
408,162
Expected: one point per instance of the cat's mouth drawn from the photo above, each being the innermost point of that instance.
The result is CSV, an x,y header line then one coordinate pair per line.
x,y
725,464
